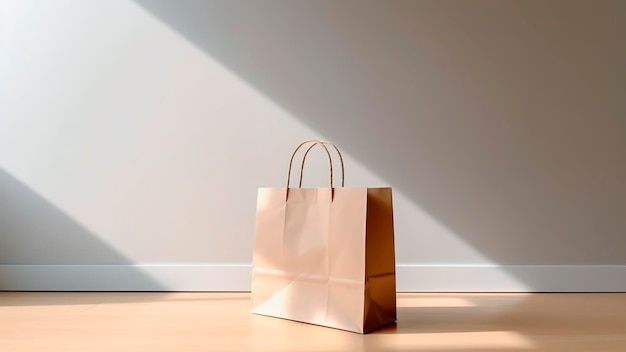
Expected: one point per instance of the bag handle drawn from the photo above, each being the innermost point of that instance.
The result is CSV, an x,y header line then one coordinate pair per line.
x,y
330,161
323,143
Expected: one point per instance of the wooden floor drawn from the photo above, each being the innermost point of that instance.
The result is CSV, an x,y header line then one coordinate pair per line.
x,y
154,322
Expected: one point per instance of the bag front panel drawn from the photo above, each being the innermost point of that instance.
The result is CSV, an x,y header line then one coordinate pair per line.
x,y
317,272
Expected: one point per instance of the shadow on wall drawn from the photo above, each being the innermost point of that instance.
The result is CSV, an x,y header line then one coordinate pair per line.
x,y
31,228
503,120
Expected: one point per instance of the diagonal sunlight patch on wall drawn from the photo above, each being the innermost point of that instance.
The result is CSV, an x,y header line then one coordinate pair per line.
x,y
416,230
421,93
155,146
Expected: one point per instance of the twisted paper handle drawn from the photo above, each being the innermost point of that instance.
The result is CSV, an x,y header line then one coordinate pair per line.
x,y
323,143
330,161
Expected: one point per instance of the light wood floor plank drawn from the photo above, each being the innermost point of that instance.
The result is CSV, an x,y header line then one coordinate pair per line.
x,y
189,322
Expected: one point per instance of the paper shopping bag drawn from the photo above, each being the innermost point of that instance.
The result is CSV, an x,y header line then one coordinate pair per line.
x,y
325,256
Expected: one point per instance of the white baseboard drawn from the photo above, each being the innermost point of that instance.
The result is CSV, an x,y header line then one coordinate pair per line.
x,y
236,277
511,278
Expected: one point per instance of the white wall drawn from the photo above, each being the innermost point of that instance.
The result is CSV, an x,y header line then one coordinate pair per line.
x,y
133,136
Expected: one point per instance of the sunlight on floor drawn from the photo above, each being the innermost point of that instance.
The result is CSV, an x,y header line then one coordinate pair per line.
x,y
433,302
487,340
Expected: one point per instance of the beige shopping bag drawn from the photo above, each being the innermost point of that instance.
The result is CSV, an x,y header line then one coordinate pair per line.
x,y
325,256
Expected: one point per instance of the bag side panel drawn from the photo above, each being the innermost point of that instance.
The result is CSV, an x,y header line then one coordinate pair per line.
x,y
380,269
